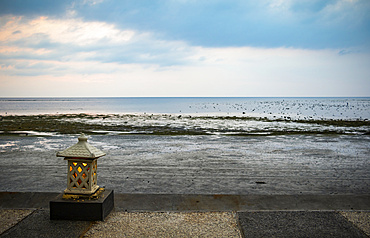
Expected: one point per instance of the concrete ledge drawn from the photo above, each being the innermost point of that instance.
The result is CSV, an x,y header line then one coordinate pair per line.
x,y
194,202
26,200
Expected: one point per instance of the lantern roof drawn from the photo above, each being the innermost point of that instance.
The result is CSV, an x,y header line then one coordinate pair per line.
x,y
81,150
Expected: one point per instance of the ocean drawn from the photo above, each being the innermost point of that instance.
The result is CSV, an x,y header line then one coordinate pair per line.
x,y
295,108
191,145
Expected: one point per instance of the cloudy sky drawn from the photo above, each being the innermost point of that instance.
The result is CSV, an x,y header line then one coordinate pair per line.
x,y
184,48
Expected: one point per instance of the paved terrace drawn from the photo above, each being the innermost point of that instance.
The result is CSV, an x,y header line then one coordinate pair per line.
x,y
171,215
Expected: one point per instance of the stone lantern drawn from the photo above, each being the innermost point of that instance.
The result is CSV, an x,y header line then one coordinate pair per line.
x,y
83,199
82,167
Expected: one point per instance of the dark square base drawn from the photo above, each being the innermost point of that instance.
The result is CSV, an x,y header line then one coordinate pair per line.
x,y
82,209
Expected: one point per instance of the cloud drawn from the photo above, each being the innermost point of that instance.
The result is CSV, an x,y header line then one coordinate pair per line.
x,y
63,31
74,40
313,24
138,66
186,48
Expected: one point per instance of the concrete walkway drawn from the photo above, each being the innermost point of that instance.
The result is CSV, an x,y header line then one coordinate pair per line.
x,y
27,215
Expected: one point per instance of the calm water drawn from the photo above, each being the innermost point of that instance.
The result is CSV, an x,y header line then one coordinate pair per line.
x,y
295,108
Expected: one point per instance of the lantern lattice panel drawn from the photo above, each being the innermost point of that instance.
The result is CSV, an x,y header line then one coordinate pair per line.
x,y
82,176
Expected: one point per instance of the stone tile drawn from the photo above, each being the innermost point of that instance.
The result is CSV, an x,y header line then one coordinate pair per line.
x,y
167,224
361,219
38,224
10,217
297,224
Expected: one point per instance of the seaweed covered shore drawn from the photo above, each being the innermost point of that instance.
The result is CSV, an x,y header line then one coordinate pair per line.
x,y
169,124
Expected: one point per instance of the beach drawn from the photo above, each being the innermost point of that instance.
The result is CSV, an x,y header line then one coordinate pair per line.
x,y
194,153
202,164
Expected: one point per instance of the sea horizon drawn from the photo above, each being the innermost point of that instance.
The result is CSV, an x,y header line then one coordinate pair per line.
x,y
15,97
252,106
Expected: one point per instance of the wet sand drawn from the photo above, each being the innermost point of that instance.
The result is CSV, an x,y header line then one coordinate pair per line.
x,y
284,164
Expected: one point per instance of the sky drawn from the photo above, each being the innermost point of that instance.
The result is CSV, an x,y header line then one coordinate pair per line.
x,y
185,48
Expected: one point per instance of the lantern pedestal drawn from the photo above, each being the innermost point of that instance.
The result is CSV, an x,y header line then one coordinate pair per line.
x,y
83,200
95,207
